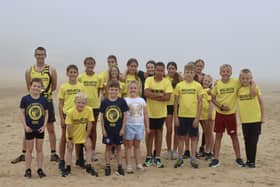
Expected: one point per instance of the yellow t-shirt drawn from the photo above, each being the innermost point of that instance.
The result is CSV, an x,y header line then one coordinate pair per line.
x,y
157,109
249,107
171,100
91,83
206,98
45,76
188,93
79,121
226,94
67,92
104,76
128,79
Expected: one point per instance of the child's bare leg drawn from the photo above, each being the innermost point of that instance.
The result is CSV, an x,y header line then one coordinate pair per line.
x,y
137,152
52,136
108,154
88,146
210,134
39,150
168,123
69,153
175,140
62,144
235,144
128,148
150,142
217,145
118,155
181,140
93,136
158,141
29,150
194,141
187,143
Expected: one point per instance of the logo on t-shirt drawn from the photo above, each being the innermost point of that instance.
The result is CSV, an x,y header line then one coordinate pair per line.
x,y
113,114
35,112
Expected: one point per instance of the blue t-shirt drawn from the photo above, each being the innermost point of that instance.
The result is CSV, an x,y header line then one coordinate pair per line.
x,y
113,114
34,110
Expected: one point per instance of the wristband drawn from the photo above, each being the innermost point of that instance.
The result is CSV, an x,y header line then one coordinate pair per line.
x,y
70,138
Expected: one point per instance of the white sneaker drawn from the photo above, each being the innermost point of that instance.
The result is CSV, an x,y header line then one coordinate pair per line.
x,y
169,155
174,155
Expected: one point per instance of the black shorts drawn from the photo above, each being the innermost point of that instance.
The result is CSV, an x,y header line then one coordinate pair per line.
x,y
156,123
51,112
112,139
170,109
34,134
186,127
95,113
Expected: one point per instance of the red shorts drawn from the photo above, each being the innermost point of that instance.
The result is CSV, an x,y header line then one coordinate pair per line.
x,y
225,121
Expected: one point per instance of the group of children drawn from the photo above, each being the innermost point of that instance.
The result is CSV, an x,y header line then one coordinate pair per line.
x,y
134,106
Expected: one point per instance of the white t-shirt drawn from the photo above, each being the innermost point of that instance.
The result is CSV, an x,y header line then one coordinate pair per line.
x,y
135,114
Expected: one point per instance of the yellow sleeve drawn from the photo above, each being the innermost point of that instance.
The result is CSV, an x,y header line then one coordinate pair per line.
x,y
68,120
80,79
169,88
91,117
200,90
214,90
259,93
61,92
147,83
177,90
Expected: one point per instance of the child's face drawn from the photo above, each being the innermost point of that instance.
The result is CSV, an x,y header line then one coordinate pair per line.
x,y
150,68
132,68
207,81
225,73
159,71
89,64
80,103
114,73
133,90
245,79
113,92
199,67
112,62
171,70
189,75
36,88
72,74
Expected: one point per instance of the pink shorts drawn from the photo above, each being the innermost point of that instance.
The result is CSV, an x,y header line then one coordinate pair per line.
x,y
225,121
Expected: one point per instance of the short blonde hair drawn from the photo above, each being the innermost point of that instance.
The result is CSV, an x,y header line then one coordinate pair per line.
x,y
245,71
189,67
81,95
225,66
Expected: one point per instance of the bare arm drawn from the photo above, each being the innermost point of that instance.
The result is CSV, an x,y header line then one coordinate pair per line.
x,y
156,96
261,105
42,129
69,131
123,123
218,105
22,119
198,113
176,120
89,127
211,109
102,125
146,119
54,79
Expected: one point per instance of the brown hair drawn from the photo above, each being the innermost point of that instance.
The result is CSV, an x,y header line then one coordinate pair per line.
x,y
38,80
189,67
129,62
176,77
110,69
113,84
89,59
72,66
40,49
112,57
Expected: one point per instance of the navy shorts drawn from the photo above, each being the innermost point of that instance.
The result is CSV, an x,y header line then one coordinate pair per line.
x,y
34,134
186,127
170,109
156,123
112,139
51,112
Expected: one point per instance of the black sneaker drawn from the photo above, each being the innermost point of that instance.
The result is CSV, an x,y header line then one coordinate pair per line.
x,y
186,154
250,165
54,158
194,163
81,164
214,163
91,170
28,173
20,158
239,162
41,173
61,165
179,163
208,156
120,171
148,162
201,151
65,172
107,170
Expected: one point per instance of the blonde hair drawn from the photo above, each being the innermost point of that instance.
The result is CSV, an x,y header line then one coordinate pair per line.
x,y
225,66
81,95
210,77
189,67
245,71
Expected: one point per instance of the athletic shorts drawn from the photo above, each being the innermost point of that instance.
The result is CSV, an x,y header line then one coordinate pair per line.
x,y
156,123
51,112
170,109
112,139
225,121
34,134
186,127
95,113
134,132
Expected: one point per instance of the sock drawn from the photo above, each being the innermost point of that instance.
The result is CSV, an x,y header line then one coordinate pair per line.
x,y
68,168
23,152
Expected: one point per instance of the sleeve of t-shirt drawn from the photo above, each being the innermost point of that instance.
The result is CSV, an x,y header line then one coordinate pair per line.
x,y
46,105
68,120
79,78
169,88
22,104
147,83
124,105
177,90
91,117
102,107
61,93
214,89
259,93
199,90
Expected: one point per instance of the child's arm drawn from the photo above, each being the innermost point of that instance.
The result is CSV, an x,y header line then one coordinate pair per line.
x,y
220,106
54,78
253,89
176,119
22,119
261,106
42,129
89,128
60,110
210,111
146,120
148,93
69,131
198,113
123,124
102,125
164,97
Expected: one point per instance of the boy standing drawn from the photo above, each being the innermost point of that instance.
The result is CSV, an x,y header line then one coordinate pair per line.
x,y
224,96
188,98
113,112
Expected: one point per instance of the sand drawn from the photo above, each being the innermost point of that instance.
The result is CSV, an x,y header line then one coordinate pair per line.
x,y
266,173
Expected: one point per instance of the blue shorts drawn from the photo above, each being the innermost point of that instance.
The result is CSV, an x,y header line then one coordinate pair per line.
x,y
134,132
186,127
112,139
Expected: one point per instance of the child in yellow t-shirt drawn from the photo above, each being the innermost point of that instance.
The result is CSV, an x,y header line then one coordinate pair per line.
x,y
207,116
250,113
157,90
92,84
187,111
224,97
66,97
78,122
